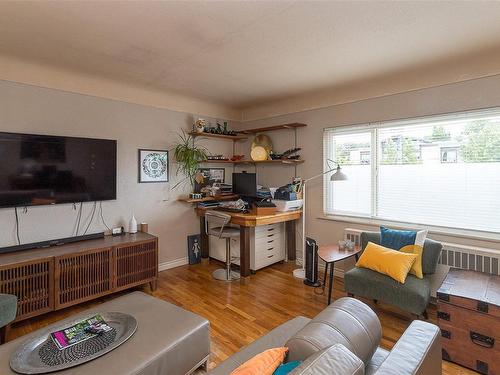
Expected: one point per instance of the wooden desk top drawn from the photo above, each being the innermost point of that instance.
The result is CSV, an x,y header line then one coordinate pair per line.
x,y
252,220
331,253
472,285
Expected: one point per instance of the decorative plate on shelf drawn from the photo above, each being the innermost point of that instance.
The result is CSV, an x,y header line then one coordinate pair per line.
x,y
263,140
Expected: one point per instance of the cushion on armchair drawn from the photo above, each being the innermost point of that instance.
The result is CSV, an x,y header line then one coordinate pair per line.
x,y
430,256
412,296
393,263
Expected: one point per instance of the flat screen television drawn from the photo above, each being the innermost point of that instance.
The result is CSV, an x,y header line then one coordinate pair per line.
x,y
45,169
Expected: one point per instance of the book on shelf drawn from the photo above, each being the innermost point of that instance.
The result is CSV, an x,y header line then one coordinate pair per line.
x,y
80,332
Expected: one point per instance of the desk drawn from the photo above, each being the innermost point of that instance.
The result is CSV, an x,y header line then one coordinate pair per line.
x,y
246,221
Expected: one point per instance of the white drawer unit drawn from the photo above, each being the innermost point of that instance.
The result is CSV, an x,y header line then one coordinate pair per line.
x,y
267,246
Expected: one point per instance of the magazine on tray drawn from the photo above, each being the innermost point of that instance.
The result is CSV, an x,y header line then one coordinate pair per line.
x,y
80,332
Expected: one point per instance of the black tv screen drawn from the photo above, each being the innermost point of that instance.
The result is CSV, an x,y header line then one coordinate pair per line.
x,y
43,169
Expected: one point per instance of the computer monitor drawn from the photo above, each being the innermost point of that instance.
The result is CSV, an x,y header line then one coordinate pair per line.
x,y
245,184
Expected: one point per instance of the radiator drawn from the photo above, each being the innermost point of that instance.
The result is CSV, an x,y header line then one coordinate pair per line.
x,y
470,258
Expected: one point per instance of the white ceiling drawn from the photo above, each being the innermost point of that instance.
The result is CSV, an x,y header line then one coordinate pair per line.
x,y
244,53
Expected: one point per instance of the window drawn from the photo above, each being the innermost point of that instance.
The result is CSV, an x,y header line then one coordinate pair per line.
x,y
439,171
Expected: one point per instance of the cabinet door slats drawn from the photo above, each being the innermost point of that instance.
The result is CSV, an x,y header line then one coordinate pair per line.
x,y
31,283
51,283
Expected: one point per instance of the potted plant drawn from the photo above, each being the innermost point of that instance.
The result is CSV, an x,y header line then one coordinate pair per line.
x,y
189,157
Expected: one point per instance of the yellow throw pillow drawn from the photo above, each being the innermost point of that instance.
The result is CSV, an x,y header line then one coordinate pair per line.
x,y
263,363
390,262
416,268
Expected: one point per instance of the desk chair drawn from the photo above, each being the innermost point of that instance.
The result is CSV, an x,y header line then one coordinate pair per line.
x,y
216,224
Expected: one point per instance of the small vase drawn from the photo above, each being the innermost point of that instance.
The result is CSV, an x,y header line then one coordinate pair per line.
x,y
133,225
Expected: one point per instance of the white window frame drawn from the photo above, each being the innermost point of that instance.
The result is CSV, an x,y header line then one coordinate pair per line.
x,y
371,219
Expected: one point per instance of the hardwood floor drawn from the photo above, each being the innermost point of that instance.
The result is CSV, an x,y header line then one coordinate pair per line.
x,y
239,313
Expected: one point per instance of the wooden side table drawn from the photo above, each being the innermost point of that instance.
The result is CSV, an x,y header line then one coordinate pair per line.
x,y
331,254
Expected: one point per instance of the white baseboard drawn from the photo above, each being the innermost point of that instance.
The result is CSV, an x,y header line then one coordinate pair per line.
x,y
338,272
172,264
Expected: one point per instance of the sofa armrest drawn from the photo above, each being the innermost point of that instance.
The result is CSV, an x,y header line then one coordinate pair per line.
x,y
418,352
334,360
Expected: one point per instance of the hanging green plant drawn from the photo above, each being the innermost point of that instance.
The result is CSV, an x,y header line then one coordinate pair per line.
x,y
189,157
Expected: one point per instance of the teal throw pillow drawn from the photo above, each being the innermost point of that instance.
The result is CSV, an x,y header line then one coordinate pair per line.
x,y
396,239
285,368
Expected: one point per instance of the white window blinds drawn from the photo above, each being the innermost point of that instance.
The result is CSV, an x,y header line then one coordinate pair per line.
x,y
440,171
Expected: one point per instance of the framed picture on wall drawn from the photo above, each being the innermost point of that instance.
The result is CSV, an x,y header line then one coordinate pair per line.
x,y
153,165
210,176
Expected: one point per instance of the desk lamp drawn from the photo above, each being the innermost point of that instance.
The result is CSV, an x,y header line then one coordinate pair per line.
x,y
300,273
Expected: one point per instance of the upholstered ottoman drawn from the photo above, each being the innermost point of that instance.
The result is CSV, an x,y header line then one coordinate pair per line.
x,y
169,340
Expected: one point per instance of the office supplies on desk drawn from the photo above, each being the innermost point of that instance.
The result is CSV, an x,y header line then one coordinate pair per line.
x,y
286,193
263,208
287,205
233,206
208,204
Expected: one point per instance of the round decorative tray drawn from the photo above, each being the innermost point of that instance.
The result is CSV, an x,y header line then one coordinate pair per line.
x,y
40,355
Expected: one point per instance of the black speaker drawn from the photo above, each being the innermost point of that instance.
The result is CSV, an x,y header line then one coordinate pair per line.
x,y
311,263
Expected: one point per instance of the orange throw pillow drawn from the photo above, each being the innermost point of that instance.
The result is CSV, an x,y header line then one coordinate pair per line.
x,y
262,364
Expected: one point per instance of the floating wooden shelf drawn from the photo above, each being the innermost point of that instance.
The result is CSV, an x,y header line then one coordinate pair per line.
x,y
279,161
237,137
292,125
209,199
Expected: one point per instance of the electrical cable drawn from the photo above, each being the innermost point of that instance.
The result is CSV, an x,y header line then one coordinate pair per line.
x,y
17,226
102,216
91,218
320,286
79,218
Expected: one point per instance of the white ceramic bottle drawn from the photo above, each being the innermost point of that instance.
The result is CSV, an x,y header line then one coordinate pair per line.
x,y
133,225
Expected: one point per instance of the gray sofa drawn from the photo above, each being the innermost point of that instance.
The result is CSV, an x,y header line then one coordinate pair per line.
x,y
413,296
343,340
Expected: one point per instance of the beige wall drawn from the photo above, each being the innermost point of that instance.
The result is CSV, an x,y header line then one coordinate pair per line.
x,y
30,109
480,93
49,76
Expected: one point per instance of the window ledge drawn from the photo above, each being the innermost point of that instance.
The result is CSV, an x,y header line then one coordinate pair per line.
x,y
442,231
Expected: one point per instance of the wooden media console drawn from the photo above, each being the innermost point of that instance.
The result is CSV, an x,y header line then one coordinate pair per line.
x,y
50,279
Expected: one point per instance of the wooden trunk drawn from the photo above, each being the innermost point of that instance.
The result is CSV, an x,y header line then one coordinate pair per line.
x,y
469,318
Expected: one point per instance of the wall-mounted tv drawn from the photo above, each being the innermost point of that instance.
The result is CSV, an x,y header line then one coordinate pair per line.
x,y
45,169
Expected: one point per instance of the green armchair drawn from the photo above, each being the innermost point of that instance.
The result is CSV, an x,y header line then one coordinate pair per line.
x,y
8,310
413,296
